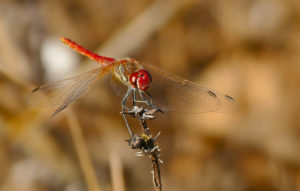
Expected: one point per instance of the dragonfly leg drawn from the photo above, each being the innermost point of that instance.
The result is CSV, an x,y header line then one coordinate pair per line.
x,y
149,101
123,104
125,98
135,100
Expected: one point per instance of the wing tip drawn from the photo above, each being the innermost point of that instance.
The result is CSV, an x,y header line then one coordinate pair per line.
x,y
59,110
230,107
229,98
35,89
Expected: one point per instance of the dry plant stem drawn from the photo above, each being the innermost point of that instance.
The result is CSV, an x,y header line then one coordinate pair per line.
x,y
154,158
83,154
156,172
145,142
144,125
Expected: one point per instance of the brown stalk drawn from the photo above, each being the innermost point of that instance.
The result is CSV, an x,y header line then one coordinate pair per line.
x,y
83,154
145,143
154,159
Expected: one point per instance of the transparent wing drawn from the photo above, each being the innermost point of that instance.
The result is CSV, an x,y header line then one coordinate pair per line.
x,y
172,93
63,92
119,88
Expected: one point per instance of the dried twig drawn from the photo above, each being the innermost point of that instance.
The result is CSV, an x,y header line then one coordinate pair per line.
x,y
156,172
145,143
154,155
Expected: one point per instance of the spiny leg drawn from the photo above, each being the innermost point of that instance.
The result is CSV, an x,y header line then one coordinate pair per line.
x,y
125,98
135,100
123,104
147,101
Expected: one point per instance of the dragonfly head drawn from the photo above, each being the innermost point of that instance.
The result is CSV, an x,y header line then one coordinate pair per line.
x,y
140,79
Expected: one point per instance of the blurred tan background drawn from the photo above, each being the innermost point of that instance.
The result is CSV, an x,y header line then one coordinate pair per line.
x,y
247,49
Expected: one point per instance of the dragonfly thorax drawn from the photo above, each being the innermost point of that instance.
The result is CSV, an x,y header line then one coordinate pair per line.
x,y
124,68
130,72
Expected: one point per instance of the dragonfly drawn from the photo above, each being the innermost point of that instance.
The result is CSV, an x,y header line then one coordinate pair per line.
x,y
142,83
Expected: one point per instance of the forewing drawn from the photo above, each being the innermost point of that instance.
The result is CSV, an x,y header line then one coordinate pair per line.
x,y
63,92
172,93
119,88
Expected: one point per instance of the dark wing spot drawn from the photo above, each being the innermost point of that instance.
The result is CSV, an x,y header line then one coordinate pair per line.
x,y
229,98
36,89
212,94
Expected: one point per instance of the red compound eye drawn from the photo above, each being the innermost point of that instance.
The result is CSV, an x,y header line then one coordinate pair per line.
x,y
143,80
133,78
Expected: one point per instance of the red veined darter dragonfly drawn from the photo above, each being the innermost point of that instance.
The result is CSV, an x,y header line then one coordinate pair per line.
x,y
159,89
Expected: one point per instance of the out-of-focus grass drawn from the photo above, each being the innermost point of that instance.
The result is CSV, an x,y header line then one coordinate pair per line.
x,y
83,154
247,49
